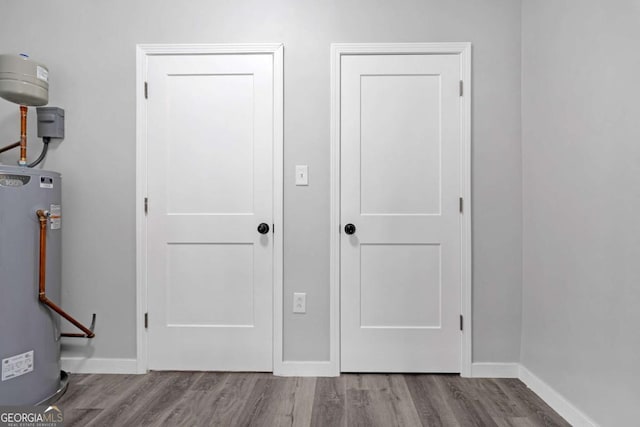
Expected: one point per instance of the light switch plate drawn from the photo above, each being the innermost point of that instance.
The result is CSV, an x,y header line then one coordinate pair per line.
x,y
302,175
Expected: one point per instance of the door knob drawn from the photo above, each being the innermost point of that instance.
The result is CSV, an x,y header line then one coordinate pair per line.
x,y
350,229
263,228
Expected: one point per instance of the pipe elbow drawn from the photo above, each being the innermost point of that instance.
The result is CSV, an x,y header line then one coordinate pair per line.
x,y
42,215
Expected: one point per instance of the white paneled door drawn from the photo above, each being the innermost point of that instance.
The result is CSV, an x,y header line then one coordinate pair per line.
x,y
400,173
210,244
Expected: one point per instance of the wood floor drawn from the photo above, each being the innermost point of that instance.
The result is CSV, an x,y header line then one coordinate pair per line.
x,y
241,399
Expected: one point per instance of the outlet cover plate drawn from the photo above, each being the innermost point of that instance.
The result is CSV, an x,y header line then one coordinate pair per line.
x,y
299,302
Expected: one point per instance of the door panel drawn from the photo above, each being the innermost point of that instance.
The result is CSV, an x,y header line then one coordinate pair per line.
x,y
400,178
400,185
217,269
220,164
210,183
400,286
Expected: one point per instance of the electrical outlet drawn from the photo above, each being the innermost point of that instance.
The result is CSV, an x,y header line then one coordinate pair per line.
x,y
299,302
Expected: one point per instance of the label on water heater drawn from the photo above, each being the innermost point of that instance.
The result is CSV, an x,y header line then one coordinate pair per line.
x,y
46,182
55,217
15,366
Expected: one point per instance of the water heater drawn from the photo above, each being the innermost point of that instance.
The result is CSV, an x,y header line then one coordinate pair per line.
x,y
29,330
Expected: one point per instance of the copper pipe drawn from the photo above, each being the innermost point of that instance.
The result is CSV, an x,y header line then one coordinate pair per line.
x,y
88,332
9,147
23,135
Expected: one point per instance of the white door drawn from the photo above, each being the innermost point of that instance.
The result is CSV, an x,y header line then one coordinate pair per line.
x,y
210,160
400,189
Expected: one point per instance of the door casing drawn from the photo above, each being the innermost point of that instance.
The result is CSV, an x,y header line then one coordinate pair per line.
x,y
463,50
143,52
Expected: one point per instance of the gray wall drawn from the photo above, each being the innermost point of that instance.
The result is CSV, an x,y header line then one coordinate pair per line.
x,y
90,49
581,151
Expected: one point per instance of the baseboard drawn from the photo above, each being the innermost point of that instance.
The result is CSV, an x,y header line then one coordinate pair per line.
x,y
495,370
306,369
82,365
558,402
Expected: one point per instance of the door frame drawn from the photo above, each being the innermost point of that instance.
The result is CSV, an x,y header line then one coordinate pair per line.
x,y
143,52
463,50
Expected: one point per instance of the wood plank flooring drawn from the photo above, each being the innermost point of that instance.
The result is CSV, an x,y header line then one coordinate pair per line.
x,y
257,399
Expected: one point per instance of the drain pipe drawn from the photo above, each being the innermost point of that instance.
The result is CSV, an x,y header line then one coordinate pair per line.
x,y
43,217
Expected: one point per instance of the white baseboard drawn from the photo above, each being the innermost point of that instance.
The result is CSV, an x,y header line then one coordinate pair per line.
x,y
495,370
82,365
306,369
558,402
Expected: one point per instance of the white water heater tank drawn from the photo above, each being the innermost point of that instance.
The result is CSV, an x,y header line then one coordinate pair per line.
x,y
23,81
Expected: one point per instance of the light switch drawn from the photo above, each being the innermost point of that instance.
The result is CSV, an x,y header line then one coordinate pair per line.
x,y
302,175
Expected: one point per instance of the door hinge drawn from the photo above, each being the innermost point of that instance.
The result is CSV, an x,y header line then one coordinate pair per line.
x,y
146,90
146,320
461,88
461,322
146,205
461,207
